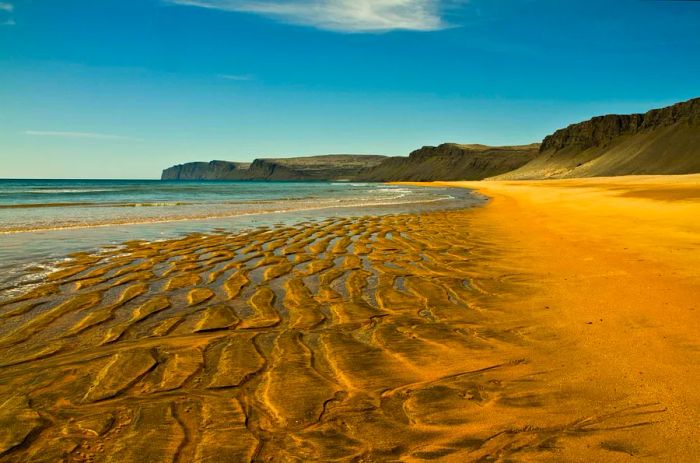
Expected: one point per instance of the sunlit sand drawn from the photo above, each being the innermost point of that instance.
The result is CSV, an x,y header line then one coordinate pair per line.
x,y
557,322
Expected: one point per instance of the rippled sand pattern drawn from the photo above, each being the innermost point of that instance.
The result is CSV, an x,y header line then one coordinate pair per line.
x,y
370,339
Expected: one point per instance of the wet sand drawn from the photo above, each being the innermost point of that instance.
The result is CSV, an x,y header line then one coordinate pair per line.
x,y
536,328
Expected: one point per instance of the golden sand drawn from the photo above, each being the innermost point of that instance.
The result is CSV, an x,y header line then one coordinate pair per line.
x,y
558,323
618,265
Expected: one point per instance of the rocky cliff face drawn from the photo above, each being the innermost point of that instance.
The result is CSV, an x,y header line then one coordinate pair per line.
x,y
661,141
604,129
214,170
451,161
594,132
330,167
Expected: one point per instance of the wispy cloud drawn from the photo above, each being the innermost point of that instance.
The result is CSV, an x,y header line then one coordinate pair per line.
x,y
87,135
339,15
6,8
237,77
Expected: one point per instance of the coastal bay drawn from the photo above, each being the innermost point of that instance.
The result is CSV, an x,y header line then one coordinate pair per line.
x,y
529,329
350,231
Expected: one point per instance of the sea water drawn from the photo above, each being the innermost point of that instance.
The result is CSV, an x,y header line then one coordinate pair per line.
x,y
42,221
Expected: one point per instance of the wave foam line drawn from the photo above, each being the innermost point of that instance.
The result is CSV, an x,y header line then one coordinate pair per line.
x,y
213,217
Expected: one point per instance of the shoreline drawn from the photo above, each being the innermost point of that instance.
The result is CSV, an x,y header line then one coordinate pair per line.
x,y
520,329
231,215
23,248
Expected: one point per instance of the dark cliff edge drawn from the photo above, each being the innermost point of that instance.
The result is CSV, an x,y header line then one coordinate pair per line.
x,y
214,170
661,141
329,167
451,161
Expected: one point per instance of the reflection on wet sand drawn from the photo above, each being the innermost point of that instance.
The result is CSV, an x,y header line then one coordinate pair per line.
x,y
391,338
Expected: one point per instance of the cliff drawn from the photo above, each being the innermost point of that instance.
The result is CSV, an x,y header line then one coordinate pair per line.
x,y
214,170
661,141
451,161
330,167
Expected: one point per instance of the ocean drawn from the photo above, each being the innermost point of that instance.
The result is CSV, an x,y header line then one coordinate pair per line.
x,y
43,221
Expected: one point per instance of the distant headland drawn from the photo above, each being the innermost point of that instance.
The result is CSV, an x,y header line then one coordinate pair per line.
x,y
661,141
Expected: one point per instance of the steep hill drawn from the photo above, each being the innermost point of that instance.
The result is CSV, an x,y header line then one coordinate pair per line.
x,y
661,141
451,161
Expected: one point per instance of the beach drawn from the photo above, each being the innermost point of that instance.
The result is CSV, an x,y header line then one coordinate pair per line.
x,y
43,221
618,271
556,323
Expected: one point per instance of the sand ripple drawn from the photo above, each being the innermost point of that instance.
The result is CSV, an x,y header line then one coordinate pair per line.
x,y
371,339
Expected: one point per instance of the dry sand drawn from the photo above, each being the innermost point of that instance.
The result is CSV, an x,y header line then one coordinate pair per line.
x,y
618,261
558,323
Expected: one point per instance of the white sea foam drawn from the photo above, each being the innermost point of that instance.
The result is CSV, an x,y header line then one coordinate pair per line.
x,y
291,206
61,191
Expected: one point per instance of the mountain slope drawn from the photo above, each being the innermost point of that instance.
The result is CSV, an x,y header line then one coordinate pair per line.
x,y
451,161
661,141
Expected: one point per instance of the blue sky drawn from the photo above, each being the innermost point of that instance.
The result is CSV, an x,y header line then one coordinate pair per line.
x,y
124,88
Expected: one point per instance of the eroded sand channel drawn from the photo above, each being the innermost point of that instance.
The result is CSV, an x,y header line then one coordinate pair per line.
x,y
390,338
